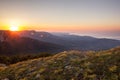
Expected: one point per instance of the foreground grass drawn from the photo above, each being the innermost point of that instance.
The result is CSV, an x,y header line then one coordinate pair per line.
x,y
68,65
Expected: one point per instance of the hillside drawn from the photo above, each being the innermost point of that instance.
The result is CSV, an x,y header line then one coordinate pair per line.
x,y
67,41
67,65
73,41
12,44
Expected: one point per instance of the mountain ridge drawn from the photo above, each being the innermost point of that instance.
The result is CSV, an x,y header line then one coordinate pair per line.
x,y
12,43
54,43
74,41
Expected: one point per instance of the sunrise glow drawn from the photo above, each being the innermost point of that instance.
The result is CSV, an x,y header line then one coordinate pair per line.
x,y
14,28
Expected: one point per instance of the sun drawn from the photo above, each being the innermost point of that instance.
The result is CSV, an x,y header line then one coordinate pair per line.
x,y
14,28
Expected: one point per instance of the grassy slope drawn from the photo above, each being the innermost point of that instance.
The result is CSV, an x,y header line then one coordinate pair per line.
x,y
72,65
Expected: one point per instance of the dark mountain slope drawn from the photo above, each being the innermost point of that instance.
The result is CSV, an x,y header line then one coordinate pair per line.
x,y
46,37
15,45
73,41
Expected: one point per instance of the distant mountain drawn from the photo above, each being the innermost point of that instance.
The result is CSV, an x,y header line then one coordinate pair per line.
x,y
73,41
67,41
12,43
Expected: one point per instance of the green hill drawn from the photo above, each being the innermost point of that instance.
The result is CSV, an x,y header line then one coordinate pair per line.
x,y
68,65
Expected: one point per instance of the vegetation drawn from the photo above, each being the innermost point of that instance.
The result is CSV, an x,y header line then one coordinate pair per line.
x,y
5,59
68,65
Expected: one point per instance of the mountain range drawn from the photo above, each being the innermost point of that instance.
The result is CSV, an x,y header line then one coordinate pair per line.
x,y
35,42
73,41
12,43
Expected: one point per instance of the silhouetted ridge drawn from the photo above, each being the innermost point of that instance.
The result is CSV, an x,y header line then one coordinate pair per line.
x,y
14,44
73,41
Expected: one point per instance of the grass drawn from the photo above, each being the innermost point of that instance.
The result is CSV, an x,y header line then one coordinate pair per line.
x,y
67,65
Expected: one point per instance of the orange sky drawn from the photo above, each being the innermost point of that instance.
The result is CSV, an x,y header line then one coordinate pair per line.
x,y
61,15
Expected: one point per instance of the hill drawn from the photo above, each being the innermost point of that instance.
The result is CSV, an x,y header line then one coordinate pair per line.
x,y
12,44
73,41
68,65
68,41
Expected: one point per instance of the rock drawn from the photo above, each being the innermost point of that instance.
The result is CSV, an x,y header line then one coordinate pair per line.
x,y
5,79
3,65
37,76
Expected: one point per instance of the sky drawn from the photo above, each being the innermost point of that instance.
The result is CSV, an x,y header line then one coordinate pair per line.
x,y
76,16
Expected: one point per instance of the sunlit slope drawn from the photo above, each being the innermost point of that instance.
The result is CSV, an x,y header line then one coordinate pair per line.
x,y
72,65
